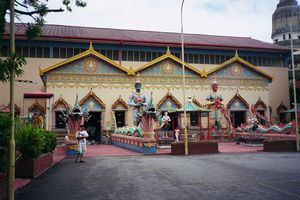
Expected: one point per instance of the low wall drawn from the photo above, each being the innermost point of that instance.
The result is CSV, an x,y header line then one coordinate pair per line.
x,y
33,168
280,146
141,145
202,147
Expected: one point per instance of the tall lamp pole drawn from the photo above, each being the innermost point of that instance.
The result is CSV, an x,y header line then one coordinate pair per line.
x,y
11,160
294,89
183,85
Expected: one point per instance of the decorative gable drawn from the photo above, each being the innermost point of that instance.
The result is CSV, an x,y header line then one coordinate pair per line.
x,y
236,67
91,102
237,103
36,108
260,105
119,104
168,103
61,104
167,65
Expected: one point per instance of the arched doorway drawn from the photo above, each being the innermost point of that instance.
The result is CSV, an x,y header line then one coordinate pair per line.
x,y
59,108
96,109
261,109
119,111
238,108
169,103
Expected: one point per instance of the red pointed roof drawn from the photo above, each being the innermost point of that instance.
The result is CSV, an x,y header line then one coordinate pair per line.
x,y
59,32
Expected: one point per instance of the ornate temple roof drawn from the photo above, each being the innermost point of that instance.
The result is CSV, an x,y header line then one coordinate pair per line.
x,y
76,33
190,106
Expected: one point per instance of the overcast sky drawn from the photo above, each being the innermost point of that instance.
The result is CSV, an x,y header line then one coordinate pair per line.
x,y
247,18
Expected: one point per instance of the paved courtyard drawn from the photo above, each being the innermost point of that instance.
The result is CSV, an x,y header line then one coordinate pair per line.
x,y
220,176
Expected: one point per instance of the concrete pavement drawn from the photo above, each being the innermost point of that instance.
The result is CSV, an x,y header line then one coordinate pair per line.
x,y
220,176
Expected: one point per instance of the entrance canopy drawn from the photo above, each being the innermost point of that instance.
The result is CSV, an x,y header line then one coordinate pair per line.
x,y
38,95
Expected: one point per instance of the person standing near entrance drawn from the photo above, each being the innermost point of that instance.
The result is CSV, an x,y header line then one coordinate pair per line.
x,y
165,124
81,136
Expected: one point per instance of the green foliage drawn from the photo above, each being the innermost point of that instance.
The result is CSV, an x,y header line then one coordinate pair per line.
x,y
37,10
9,63
50,141
5,123
32,141
29,142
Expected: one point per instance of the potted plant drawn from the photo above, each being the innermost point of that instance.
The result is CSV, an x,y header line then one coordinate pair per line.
x,y
34,146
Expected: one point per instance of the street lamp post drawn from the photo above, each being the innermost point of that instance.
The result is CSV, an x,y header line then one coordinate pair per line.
x,y
183,85
294,89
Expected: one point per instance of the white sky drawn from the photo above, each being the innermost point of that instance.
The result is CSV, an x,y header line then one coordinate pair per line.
x,y
247,18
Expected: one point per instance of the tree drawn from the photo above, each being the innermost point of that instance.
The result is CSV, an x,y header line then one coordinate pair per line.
x,y
37,10
7,64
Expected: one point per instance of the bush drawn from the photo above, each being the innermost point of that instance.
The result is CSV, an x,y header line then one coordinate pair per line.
x,y
5,123
50,141
29,141
32,141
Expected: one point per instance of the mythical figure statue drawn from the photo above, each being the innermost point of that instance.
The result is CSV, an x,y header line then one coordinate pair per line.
x,y
214,103
137,101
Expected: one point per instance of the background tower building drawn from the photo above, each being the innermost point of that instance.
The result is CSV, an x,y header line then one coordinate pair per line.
x,y
287,13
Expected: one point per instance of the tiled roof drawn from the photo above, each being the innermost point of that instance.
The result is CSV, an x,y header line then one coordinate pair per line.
x,y
56,32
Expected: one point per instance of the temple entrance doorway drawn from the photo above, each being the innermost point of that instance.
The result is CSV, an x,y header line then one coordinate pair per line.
x,y
238,118
120,118
93,126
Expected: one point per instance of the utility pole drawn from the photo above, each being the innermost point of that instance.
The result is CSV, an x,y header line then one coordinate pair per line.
x,y
12,145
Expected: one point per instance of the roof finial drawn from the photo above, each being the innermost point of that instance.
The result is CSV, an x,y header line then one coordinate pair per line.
x,y
168,50
236,53
91,45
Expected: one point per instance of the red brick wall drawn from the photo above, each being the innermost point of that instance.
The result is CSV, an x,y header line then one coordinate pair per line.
x,y
195,148
33,168
280,146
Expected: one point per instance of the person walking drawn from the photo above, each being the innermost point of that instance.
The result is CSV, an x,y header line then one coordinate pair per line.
x,y
81,136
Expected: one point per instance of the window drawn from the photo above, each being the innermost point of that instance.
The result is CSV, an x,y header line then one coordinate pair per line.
x,y
76,51
148,56
218,59
25,51
222,59
39,52
124,55
55,52
290,36
194,118
277,39
109,54
154,55
196,58
32,52
103,52
59,122
212,59
201,58
142,56
69,52
130,55
190,58
18,50
283,37
46,52
136,55
115,55
206,59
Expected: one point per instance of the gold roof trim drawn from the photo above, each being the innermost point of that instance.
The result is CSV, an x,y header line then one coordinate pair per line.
x,y
174,58
88,52
242,61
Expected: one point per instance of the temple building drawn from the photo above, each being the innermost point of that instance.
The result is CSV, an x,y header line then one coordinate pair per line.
x,y
101,66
